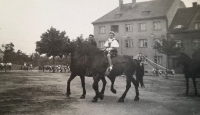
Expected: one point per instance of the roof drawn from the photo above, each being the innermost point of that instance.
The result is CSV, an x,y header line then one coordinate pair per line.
x,y
157,8
183,18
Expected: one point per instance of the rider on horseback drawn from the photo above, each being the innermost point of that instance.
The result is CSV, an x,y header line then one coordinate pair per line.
x,y
91,40
111,46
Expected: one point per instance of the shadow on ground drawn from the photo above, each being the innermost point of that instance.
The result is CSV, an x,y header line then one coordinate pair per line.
x,y
33,99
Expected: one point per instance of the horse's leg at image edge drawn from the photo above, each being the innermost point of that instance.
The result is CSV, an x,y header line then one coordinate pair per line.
x,y
72,76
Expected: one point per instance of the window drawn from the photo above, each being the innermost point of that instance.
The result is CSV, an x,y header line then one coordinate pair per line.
x,y
101,44
102,30
178,43
197,25
158,60
129,28
142,26
196,44
143,43
156,25
129,43
115,28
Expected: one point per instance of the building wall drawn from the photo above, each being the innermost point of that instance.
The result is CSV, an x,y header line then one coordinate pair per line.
x,y
122,35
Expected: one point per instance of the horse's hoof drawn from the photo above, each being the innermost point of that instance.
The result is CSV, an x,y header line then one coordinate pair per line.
x,y
68,94
94,100
114,91
101,96
136,99
82,97
121,100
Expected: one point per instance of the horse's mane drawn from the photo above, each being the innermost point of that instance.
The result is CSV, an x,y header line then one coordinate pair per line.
x,y
86,48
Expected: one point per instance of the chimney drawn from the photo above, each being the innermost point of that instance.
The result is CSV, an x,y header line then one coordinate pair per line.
x,y
194,4
120,4
133,3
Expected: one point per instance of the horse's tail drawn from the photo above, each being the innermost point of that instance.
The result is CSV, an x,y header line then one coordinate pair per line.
x,y
140,73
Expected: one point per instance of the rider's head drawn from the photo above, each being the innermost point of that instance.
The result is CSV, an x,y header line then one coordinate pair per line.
x,y
91,36
111,34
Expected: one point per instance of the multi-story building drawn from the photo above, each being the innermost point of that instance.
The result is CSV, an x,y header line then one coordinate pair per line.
x,y
185,29
137,26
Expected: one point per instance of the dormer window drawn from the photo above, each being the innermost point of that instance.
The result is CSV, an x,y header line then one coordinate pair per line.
x,y
145,12
178,27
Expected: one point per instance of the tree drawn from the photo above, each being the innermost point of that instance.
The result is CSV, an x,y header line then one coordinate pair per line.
x,y
21,57
9,53
167,47
53,43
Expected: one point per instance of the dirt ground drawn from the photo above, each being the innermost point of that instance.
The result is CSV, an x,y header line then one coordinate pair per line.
x,y
38,93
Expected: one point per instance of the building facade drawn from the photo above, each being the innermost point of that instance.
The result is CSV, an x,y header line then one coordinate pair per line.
x,y
185,29
1,55
137,26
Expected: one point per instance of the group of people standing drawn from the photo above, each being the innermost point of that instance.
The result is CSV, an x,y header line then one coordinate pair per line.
x,y
7,66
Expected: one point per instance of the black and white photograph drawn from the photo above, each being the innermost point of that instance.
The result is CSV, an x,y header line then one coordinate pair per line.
x,y
99,57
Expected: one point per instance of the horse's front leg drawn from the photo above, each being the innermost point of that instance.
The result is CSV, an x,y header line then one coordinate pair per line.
x,y
83,86
112,79
104,85
96,88
72,76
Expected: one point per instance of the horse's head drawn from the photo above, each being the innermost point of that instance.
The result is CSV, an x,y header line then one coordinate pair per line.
x,y
66,49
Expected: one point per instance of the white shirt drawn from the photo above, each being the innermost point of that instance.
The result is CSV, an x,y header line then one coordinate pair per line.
x,y
113,43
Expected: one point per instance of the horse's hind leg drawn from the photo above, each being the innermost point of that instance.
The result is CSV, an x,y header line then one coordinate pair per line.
x,y
136,84
83,86
128,85
194,83
72,76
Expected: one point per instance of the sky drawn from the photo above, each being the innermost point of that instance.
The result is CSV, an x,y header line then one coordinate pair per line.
x,y
22,22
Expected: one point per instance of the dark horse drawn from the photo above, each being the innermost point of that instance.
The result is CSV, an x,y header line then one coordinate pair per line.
x,y
80,63
99,64
191,68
